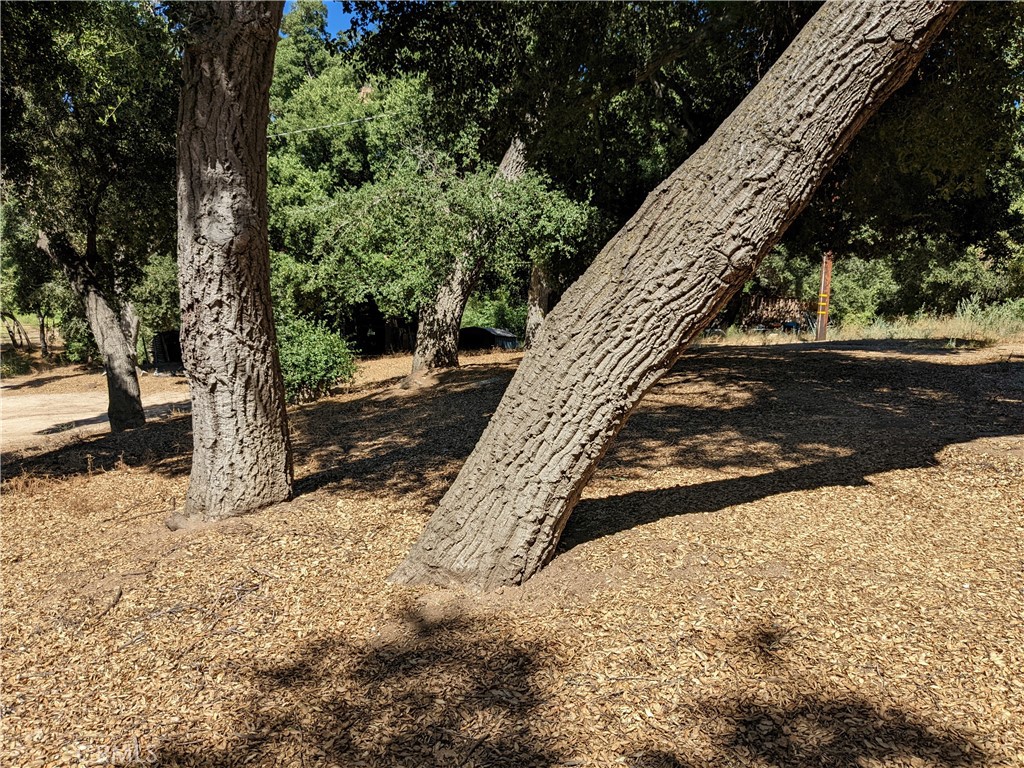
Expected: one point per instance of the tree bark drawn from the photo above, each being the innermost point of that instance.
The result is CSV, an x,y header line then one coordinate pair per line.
x,y
538,302
437,337
241,451
17,332
44,345
124,399
658,282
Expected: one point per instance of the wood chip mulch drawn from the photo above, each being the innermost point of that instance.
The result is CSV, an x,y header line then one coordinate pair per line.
x,y
804,555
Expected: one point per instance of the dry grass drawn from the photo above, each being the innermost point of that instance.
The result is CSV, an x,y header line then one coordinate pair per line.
x,y
794,556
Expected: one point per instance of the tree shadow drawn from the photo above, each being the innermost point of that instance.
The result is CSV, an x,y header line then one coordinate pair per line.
x,y
385,439
41,381
440,689
434,690
815,732
798,417
774,419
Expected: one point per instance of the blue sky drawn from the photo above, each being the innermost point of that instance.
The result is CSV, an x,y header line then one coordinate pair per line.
x,y
337,19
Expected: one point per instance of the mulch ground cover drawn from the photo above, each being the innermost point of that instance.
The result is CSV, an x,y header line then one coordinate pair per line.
x,y
805,555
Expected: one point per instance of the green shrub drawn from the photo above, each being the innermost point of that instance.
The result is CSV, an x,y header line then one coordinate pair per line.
x,y
79,345
14,362
497,311
313,359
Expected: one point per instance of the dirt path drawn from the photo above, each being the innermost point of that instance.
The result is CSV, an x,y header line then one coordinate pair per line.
x,y
46,409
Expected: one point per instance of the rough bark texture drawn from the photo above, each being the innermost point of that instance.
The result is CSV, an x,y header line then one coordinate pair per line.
x,y
437,338
241,457
652,289
124,399
124,408
538,302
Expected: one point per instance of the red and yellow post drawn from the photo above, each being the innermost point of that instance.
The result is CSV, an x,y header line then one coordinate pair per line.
x,y
823,295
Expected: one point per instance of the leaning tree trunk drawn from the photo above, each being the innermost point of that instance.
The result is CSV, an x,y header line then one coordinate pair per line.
x,y
437,337
16,331
538,302
124,400
241,457
657,283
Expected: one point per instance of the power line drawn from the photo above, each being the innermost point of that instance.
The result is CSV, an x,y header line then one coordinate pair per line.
x,y
334,125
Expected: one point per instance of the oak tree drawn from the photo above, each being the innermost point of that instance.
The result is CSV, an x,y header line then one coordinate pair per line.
x,y
241,457
695,240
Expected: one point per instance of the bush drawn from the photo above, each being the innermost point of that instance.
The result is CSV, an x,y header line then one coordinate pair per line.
x,y
79,345
14,362
313,359
497,311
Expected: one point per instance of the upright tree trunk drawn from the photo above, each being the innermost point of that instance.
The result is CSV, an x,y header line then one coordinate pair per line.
x,y
652,289
437,338
241,457
44,346
538,302
124,400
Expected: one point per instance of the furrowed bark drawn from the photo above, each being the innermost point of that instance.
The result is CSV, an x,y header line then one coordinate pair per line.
x,y
437,337
658,282
124,399
241,453
538,302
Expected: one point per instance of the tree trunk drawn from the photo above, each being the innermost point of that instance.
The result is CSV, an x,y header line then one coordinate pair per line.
x,y
538,302
124,400
19,336
44,346
693,243
437,338
7,317
241,457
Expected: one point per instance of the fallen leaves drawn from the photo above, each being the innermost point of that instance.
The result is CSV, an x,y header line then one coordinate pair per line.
x,y
834,580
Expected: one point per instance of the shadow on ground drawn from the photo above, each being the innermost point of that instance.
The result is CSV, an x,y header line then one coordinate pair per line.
x,y
439,691
449,691
780,418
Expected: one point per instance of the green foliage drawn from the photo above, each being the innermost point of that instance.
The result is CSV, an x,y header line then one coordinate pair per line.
x,y
156,297
860,288
313,359
14,362
90,100
498,310
79,345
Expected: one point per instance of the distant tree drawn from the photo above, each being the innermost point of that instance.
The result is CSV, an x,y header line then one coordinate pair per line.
x,y
656,285
241,457
88,151
604,99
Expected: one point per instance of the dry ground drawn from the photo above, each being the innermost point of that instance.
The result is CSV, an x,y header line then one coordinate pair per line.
x,y
794,556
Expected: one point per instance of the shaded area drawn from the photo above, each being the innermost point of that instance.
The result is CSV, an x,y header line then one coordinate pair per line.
x,y
41,381
775,418
821,733
797,417
441,691
402,441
